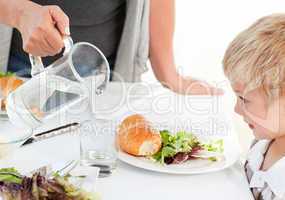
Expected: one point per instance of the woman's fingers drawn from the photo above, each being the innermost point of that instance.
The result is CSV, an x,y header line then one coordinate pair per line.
x,y
42,29
54,39
60,18
196,87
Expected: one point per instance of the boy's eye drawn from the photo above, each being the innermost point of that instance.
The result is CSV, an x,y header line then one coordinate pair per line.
x,y
243,99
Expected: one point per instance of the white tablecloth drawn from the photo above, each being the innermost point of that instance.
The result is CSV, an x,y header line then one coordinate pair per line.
x,y
127,182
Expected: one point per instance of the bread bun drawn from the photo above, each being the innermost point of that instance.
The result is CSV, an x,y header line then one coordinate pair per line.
x,y
137,137
8,83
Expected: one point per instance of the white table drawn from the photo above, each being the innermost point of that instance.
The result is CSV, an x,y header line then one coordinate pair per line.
x,y
131,183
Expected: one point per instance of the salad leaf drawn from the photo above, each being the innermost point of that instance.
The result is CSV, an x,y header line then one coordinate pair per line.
x,y
165,136
183,143
215,146
172,144
35,188
15,186
10,175
4,74
73,192
157,156
213,159
10,170
168,151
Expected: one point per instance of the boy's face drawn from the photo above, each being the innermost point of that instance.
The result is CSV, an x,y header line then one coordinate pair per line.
x,y
263,117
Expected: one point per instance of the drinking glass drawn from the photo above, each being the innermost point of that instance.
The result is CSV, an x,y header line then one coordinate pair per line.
x,y
97,144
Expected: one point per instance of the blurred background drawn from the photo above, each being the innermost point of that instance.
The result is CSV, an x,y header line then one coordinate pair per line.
x,y
204,29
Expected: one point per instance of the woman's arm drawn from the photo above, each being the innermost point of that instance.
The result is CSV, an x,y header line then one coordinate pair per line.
x,y
10,12
41,27
162,23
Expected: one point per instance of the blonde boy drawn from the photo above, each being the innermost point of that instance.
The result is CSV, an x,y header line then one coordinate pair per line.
x,y
255,65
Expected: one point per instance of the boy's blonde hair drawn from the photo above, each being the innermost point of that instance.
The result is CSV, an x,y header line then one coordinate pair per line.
x,y
256,57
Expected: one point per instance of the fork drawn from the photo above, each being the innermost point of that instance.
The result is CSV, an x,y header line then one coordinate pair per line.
x,y
64,170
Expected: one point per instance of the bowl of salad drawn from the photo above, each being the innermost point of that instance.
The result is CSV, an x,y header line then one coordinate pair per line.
x,y
45,183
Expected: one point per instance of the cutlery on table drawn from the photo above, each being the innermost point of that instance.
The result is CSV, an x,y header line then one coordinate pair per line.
x,y
52,133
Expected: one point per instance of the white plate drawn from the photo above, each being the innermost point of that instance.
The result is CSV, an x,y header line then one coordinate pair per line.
x,y
198,166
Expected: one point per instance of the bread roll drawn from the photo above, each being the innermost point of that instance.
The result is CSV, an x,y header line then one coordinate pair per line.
x,y
137,137
8,84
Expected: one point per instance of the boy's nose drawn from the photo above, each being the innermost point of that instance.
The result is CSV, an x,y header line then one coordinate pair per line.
x,y
238,109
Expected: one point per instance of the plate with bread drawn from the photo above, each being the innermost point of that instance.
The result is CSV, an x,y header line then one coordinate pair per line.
x,y
8,83
171,150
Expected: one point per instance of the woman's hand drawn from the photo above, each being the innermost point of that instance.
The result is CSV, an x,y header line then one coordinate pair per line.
x,y
42,29
191,86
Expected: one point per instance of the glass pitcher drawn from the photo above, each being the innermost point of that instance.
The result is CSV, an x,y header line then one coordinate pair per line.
x,y
71,80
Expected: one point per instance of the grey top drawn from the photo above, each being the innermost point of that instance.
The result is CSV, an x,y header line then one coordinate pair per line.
x,y
133,50
99,22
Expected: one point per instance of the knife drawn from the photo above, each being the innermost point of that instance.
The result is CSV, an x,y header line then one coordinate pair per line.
x,y
52,133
